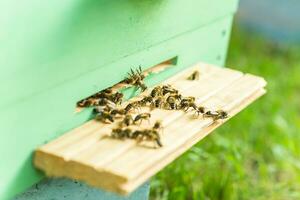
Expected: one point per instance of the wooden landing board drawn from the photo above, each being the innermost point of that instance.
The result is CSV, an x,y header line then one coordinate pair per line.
x,y
121,166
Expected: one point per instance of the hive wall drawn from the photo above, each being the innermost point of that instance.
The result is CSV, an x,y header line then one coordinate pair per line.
x,y
55,53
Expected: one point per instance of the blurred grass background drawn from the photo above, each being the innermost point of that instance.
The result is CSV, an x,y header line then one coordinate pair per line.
x,y
255,155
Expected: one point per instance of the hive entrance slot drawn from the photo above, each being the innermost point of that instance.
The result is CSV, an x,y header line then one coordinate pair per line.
x,y
156,69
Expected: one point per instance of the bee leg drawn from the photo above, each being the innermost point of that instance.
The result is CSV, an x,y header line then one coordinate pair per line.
x,y
158,142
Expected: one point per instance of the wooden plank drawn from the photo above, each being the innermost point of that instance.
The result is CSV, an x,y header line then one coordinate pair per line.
x,y
181,129
203,92
84,153
132,185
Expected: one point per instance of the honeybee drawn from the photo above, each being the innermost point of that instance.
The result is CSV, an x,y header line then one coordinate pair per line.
x,y
104,117
157,126
85,103
222,114
171,102
148,135
146,100
216,115
169,89
158,102
200,110
118,112
99,109
131,106
127,121
188,99
194,76
188,102
117,98
157,91
141,117
136,78
103,102
178,97
120,133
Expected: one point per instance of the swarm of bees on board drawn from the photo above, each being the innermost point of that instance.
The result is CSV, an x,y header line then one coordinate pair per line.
x,y
108,108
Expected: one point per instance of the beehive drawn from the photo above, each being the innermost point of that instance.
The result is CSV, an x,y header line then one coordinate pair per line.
x,y
55,53
121,166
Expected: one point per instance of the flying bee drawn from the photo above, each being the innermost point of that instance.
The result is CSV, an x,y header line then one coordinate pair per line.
x,y
157,91
131,106
104,117
141,117
127,121
194,76
171,102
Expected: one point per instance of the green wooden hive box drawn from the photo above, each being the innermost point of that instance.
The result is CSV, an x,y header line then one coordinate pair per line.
x,y
54,53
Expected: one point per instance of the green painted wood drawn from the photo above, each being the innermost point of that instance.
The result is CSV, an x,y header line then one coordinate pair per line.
x,y
66,189
48,114
58,41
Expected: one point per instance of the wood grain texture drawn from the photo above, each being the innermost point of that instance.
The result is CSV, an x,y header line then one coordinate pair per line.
x,y
121,166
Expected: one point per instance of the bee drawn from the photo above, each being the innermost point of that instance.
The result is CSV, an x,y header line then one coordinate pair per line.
x,y
117,98
157,126
117,133
85,103
136,78
157,91
141,117
99,109
103,102
200,110
171,102
141,85
104,117
188,102
148,135
127,121
222,114
194,76
146,100
188,99
158,102
108,90
178,97
131,106
118,112
169,89
216,115
120,133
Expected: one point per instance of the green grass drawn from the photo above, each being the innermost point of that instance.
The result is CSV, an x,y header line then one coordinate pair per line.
x,y
256,155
